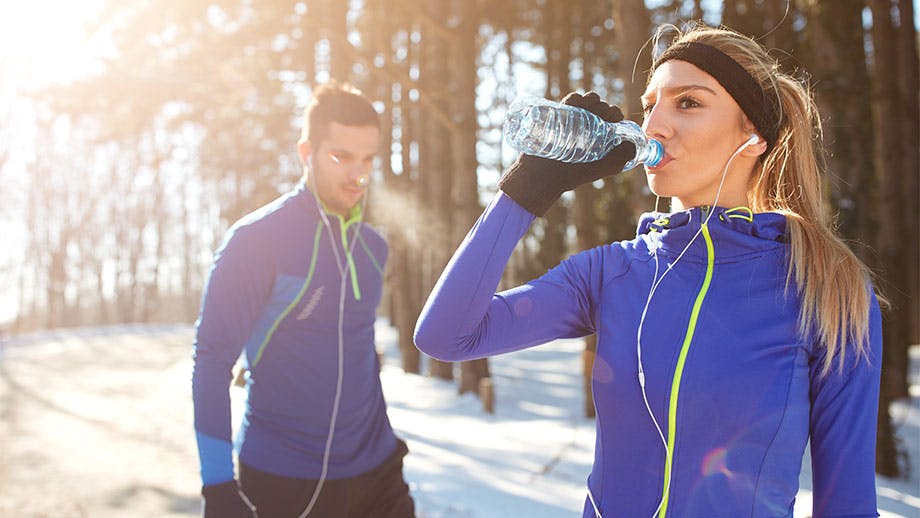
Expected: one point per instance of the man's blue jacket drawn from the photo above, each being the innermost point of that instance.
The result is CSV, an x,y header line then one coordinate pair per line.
x,y
273,295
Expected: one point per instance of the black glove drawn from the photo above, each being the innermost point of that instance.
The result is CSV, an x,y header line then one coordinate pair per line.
x,y
225,500
536,183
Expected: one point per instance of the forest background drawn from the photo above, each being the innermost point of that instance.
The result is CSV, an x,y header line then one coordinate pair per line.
x,y
133,133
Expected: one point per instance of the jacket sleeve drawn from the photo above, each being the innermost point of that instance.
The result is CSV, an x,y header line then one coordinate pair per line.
x,y
237,288
844,414
465,319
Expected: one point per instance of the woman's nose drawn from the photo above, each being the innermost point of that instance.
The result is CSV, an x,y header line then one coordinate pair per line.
x,y
655,123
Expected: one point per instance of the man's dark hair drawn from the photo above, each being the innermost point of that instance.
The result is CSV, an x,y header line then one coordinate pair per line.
x,y
336,102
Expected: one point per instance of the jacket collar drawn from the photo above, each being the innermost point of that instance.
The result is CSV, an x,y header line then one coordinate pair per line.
x,y
308,201
735,232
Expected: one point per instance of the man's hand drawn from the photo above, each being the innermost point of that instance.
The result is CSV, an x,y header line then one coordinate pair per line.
x,y
225,500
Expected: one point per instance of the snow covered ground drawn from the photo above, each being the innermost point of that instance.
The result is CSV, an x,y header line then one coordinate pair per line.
x,y
97,423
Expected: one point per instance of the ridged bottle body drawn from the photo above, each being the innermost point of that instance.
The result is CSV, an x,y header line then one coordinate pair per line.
x,y
561,132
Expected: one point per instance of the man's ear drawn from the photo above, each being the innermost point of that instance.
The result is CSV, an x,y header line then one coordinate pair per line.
x,y
304,150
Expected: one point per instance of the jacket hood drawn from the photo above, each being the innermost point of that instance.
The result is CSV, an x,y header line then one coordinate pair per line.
x,y
735,232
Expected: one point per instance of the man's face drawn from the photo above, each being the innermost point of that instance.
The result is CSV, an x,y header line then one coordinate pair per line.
x,y
340,167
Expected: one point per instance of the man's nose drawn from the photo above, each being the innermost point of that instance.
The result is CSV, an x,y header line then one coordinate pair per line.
x,y
357,171
354,168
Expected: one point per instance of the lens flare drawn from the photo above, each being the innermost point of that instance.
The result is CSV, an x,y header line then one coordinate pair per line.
x,y
714,462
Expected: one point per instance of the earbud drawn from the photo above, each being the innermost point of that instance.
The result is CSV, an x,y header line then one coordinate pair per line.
x,y
753,139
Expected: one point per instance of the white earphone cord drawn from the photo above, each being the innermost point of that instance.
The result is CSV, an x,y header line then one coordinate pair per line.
x,y
656,281
343,272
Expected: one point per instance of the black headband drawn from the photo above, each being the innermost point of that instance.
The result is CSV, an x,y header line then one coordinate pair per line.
x,y
760,108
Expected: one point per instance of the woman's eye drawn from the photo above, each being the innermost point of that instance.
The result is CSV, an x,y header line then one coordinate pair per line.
x,y
647,108
687,102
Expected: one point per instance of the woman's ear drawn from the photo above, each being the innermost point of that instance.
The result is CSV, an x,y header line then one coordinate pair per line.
x,y
756,146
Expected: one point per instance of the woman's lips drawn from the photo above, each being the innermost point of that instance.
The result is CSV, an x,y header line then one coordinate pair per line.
x,y
664,161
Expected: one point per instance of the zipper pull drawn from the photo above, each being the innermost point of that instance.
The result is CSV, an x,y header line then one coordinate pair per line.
x,y
704,212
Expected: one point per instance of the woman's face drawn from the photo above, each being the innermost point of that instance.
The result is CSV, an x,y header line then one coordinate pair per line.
x,y
700,125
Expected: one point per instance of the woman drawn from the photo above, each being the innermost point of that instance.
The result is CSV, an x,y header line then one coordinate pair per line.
x,y
730,332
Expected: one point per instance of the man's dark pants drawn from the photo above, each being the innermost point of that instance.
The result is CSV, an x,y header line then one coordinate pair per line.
x,y
381,492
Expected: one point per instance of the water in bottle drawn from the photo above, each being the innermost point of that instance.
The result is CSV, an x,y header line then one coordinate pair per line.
x,y
547,129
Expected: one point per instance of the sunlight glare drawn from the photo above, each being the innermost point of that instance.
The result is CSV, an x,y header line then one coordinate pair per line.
x,y
45,41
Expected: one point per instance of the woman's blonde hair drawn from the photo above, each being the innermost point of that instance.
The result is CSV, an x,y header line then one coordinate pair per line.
x,y
832,282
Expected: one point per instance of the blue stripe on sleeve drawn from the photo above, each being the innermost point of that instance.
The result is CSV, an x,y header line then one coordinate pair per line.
x,y
216,457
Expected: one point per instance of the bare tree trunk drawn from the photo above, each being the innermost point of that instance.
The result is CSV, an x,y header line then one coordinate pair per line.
x,y
53,235
556,31
390,82
404,310
190,296
128,240
57,282
464,186
910,134
624,194
412,304
835,36
157,210
585,216
303,53
397,188
340,58
633,29
697,13
435,174
102,303
888,105
746,16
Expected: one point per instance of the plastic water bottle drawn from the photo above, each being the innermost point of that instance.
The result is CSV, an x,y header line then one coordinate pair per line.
x,y
548,129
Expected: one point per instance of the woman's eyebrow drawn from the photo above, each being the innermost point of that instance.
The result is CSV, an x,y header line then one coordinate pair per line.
x,y
671,91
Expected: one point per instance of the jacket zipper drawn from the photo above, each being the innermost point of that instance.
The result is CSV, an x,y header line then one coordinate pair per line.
x,y
679,369
349,260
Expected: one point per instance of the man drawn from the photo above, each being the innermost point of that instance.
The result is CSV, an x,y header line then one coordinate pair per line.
x,y
295,288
